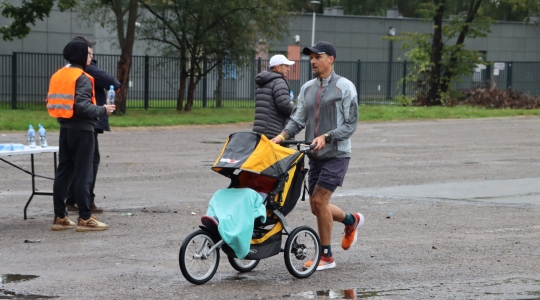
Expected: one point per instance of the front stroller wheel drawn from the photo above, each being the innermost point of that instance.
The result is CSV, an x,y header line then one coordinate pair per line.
x,y
197,264
243,265
302,252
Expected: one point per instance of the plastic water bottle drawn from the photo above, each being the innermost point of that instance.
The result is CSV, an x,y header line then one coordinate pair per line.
x,y
292,96
110,96
42,136
31,137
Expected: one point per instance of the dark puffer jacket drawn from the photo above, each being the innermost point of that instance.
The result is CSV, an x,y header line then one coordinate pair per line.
x,y
273,105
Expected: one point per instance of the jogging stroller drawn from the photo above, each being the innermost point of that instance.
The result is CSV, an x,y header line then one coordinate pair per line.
x,y
242,154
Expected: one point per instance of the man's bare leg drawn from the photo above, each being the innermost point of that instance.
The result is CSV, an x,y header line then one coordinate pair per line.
x,y
325,212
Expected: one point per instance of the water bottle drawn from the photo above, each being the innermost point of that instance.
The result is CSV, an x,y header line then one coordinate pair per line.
x,y
31,137
110,96
292,96
42,136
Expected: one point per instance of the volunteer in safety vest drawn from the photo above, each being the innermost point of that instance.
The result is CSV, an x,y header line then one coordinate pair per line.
x,y
71,101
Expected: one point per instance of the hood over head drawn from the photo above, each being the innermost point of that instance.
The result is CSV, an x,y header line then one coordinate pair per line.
x,y
76,52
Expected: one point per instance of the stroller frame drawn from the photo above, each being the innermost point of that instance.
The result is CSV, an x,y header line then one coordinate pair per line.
x,y
200,251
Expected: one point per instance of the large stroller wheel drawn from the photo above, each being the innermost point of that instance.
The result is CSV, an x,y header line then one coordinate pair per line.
x,y
243,265
302,245
197,265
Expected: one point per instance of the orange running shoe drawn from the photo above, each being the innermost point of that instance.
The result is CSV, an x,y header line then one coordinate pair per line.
x,y
351,232
325,263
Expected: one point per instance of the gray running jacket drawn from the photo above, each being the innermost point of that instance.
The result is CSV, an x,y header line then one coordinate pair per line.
x,y
327,106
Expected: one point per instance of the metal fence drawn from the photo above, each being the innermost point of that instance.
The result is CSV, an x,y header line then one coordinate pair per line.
x,y
154,81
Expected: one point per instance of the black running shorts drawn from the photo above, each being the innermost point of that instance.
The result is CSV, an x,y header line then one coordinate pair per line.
x,y
328,174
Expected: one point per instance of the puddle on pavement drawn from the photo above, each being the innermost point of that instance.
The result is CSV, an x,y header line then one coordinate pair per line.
x,y
364,293
346,294
14,278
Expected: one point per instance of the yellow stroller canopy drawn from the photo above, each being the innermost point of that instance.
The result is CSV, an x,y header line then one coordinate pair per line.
x,y
253,152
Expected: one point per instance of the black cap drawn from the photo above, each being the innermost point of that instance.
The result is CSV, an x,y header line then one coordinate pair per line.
x,y
320,48
82,38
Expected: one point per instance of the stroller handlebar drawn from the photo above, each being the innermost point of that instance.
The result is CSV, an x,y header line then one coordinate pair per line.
x,y
298,144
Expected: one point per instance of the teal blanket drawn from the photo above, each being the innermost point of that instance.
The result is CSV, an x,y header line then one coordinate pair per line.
x,y
236,210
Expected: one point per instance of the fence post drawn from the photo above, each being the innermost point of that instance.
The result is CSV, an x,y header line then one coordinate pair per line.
x,y
509,76
390,63
488,76
204,84
404,78
14,81
146,81
358,65
259,66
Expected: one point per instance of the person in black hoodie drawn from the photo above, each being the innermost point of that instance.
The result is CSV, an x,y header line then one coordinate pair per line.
x,y
273,104
71,100
102,83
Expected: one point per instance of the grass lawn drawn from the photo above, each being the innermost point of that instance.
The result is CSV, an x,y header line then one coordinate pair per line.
x,y
18,120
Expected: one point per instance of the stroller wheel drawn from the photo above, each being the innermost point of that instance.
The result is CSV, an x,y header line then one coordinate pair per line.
x,y
303,245
197,264
243,265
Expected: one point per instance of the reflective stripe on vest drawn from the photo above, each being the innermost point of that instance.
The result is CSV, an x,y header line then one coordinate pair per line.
x,y
61,96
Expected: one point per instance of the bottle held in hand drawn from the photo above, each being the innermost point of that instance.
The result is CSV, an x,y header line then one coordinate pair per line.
x,y
292,96
110,96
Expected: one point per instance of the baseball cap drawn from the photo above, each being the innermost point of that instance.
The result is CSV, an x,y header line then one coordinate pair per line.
x,y
320,48
279,59
82,38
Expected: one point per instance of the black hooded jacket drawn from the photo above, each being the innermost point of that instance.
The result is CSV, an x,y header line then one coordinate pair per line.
x,y
273,105
102,83
85,113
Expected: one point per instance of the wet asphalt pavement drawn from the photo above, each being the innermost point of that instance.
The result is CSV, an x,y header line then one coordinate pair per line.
x,y
452,211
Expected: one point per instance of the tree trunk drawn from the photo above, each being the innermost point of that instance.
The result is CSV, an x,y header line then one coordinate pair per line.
x,y
446,79
122,73
217,91
183,77
126,44
433,96
191,92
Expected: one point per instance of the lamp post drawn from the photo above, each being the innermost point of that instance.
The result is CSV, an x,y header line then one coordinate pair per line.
x,y
314,5
391,32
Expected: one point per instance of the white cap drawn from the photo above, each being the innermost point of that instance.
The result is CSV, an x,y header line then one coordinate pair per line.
x,y
279,59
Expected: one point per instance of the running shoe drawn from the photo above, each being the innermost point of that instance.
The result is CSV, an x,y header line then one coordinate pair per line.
x,y
351,232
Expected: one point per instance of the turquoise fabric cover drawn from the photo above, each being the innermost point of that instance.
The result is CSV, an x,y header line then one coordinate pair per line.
x,y
236,210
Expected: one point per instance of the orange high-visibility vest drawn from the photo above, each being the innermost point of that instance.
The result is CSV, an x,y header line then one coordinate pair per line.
x,y
61,95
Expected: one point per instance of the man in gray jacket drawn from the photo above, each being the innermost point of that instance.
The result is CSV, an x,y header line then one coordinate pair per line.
x,y
328,109
273,105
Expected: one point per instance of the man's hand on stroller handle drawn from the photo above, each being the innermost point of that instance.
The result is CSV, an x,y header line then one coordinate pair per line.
x,y
318,143
307,144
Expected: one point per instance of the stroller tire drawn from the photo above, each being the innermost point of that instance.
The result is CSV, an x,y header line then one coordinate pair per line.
x,y
243,265
303,245
197,265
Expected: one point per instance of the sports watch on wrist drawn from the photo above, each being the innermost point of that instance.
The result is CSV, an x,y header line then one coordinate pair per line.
x,y
327,137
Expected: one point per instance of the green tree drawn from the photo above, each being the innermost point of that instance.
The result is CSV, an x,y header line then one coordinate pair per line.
x,y
120,16
441,56
28,13
208,32
125,15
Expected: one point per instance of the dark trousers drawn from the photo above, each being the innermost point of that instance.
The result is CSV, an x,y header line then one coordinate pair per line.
x,y
97,158
75,170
